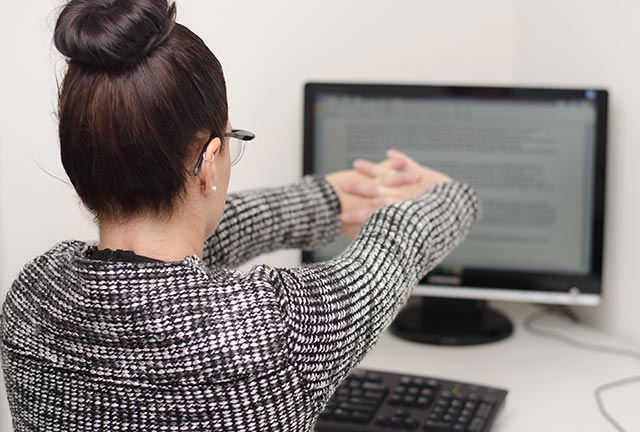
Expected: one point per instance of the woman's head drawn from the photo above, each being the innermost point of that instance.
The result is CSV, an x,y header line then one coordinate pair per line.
x,y
139,93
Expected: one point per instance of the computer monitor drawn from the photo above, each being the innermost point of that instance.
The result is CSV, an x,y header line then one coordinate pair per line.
x,y
536,157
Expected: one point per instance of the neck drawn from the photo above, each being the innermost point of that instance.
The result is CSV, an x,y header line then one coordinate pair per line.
x,y
165,239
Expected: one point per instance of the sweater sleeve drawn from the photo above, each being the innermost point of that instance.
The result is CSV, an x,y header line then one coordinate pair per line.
x,y
304,215
335,311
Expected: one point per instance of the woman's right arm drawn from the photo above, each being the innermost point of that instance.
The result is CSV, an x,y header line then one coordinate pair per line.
x,y
302,215
335,311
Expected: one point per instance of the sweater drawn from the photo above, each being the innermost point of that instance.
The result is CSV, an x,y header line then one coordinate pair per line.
x,y
195,345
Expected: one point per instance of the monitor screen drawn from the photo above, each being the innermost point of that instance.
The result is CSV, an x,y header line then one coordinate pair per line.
x,y
536,157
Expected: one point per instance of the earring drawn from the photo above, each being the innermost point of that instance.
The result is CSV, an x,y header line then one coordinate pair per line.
x,y
204,158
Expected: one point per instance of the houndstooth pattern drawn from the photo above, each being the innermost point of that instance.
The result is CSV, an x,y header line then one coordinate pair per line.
x,y
193,345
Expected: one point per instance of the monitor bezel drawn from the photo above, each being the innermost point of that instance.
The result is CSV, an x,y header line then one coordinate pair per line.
x,y
545,287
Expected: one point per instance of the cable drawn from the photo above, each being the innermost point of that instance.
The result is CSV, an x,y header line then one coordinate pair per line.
x,y
567,313
528,323
609,386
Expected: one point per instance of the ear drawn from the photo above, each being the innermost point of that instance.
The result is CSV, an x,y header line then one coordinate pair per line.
x,y
208,171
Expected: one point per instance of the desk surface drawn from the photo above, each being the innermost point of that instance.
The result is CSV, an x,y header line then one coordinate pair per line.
x,y
551,384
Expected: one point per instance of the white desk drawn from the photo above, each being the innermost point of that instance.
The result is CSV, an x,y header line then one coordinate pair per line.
x,y
551,385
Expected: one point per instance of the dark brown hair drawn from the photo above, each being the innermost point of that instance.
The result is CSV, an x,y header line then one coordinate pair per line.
x,y
138,88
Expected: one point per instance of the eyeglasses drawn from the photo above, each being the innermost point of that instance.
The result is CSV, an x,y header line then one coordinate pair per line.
x,y
237,140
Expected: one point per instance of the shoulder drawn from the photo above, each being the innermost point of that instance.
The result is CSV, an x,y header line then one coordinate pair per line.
x,y
34,284
44,271
57,255
274,278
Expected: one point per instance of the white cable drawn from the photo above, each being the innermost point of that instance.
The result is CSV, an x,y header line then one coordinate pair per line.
x,y
528,325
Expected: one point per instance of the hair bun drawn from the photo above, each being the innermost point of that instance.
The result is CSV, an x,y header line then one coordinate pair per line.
x,y
112,34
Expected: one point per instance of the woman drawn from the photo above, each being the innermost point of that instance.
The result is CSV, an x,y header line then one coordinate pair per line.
x,y
152,329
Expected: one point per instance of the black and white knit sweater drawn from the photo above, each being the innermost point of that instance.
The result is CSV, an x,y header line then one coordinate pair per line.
x,y
90,345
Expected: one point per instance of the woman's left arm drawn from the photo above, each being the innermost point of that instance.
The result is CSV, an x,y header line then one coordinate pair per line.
x,y
304,215
335,311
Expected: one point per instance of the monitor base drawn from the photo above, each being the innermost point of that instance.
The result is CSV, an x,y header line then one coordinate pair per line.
x,y
443,321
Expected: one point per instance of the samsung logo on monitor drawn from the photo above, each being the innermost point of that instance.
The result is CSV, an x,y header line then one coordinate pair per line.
x,y
444,280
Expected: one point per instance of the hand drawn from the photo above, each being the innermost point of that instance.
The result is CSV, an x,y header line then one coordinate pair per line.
x,y
371,186
399,177
356,206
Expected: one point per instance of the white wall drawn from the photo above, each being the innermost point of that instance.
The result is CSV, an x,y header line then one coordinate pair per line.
x,y
268,49
595,43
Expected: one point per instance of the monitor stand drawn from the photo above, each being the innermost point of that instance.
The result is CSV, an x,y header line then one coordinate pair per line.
x,y
444,321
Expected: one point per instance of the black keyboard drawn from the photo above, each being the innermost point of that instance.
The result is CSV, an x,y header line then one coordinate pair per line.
x,y
375,401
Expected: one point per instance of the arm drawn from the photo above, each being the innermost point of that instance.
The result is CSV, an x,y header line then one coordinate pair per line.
x,y
335,311
303,215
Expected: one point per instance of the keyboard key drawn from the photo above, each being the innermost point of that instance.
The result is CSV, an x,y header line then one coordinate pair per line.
x,y
401,413
484,410
358,374
355,407
423,402
353,384
456,402
433,383
476,425
361,417
409,400
426,391
374,377
373,386
436,426
464,419
442,402
363,401
396,422
488,398
437,412
410,424
373,394
395,399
